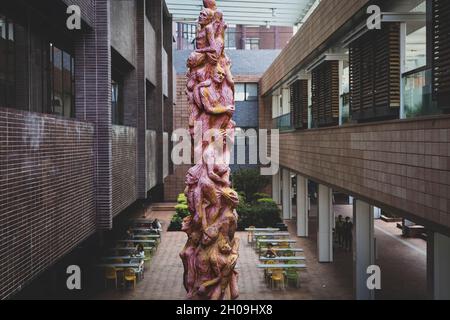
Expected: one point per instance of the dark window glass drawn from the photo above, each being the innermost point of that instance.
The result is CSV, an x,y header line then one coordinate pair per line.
x,y
251,92
246,92
117,101
252,44
61,83
7,63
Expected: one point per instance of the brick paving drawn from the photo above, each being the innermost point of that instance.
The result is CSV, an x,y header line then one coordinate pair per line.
x,y
321,281
163,277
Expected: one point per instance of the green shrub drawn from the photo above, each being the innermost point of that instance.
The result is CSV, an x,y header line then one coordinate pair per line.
x,y
262,214
182,210
249,182
259,196
182,198
175,223
267,201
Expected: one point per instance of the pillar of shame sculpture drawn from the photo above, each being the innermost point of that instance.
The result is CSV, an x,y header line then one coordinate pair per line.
x,y
211,252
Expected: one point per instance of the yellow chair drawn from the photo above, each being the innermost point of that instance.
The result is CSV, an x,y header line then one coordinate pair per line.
x,y
268,272
110,274
130,276
118,261
277,277
284,245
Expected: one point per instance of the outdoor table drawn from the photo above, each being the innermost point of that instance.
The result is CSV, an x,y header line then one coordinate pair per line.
x,y
274,234
262,229
119,265
144,230
283,259
121,258
130,248
139,236
142,220
281,266
282,250
251,232
137,241
276,241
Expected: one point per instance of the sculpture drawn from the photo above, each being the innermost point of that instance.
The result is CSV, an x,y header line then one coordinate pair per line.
x,y
211,252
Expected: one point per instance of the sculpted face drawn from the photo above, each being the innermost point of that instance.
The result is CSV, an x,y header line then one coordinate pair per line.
x,y
209,235
231,197
219,75
210,4
205,17
187,223
224,247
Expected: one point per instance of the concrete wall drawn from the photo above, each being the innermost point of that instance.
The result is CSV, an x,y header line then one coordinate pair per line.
x,y
150,52
123,26
124,154
165,75
166,155
47,193
150,141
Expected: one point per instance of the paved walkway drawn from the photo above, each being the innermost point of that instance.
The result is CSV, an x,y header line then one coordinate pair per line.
x,y
402,262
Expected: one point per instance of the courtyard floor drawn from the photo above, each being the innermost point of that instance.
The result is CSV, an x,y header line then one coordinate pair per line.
x,y
402,262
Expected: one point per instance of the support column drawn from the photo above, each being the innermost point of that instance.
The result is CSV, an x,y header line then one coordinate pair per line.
x,y
276,188
364,249
441,267
325,232
302,206
286,195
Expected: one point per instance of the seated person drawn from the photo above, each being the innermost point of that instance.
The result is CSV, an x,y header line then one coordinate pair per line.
x,y
140,251
270,253
156,225
130,234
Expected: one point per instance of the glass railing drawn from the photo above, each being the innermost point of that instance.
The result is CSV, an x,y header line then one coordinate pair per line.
x,y
283,123
417,94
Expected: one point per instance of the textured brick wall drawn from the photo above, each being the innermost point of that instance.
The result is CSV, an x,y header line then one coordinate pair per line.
x,y
403,165
329,16
47,202
93,101
124,190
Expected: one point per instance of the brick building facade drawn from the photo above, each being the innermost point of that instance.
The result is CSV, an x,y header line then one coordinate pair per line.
x,y
86,143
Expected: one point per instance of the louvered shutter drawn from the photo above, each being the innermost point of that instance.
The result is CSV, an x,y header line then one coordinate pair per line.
x,y
441,52
299,104
325,94
375,74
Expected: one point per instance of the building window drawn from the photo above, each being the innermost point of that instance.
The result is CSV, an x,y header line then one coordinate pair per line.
x,y
416,42
230,38
251,92
252,44
187,34
7,63
246,92
117,101
417,78
62,95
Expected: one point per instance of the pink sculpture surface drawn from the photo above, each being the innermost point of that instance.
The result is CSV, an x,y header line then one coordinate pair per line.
x,y
211,252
